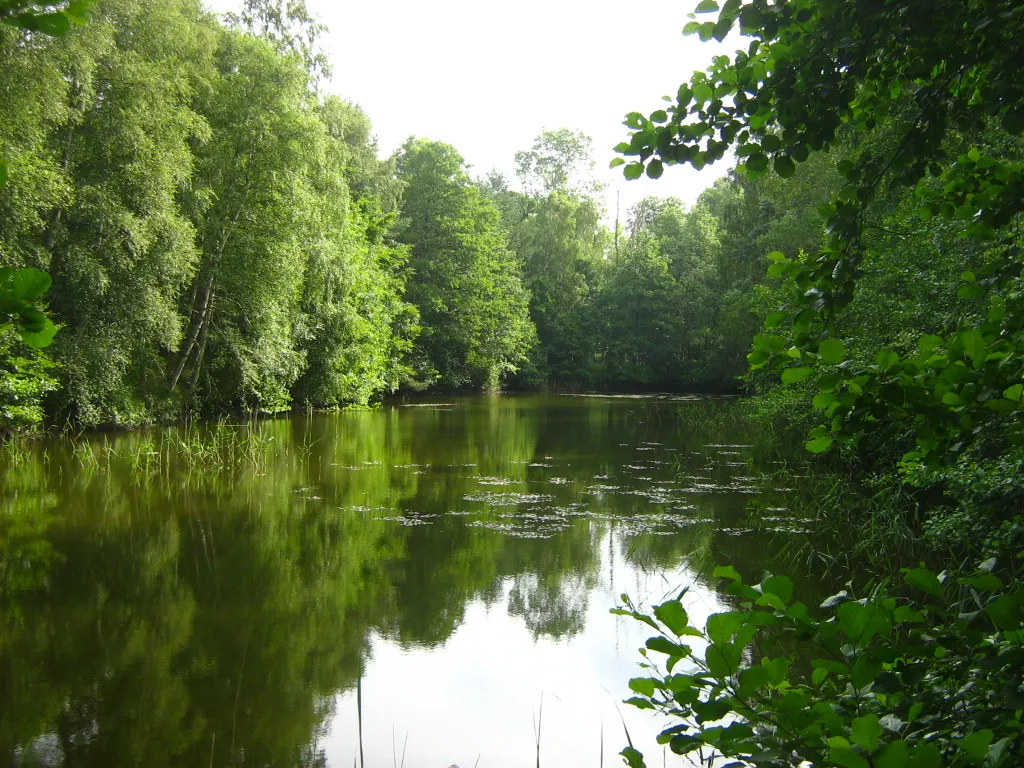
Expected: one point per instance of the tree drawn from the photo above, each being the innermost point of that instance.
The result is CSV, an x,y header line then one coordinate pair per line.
x,y
560,161
911,80
466,285
555,228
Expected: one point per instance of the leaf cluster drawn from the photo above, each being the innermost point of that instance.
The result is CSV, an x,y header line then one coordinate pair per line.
x,y
883,681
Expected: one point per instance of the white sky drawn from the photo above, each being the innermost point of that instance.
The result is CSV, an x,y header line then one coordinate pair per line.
x,y
488,77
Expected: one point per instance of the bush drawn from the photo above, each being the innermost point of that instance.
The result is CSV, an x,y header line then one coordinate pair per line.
x,y
883,682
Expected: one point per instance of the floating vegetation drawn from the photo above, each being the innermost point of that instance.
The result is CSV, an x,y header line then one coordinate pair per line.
x,y
601,488
497,481
507,499
408,521
559,480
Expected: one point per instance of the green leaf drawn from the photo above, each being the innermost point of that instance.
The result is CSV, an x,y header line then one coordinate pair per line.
x,y
706,6
633,171
726,572
29,284
823,400
41,338
1005,612
718,663
832,351
673,616
928,344
847,758
973,345
757,162
976,745
616,161
722,28
702,93
925,756
886,359
655,169
642,685
53,24
892,755
795,375
819,444
866,732
923,579
861,621
775,319
753,679
985,582
782,586
635,121
1014,393
633,758
78,11
784,166
722,626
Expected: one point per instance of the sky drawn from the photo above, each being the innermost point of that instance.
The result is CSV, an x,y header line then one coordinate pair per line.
x,y
488,77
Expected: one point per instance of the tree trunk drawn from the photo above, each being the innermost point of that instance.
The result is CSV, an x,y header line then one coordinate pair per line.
x,y
194,327
201,351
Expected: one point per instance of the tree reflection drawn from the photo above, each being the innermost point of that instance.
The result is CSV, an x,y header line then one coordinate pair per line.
x,y
182,613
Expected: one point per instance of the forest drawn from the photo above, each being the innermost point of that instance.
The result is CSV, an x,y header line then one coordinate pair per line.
x,y
223,237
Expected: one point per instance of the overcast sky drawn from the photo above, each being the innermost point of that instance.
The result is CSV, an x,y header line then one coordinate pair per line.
x,y
487,77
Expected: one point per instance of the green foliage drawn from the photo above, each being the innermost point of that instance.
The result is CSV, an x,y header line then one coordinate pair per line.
x,y
25,379
929,94
217,232
20,293
49,18
465,283
933,679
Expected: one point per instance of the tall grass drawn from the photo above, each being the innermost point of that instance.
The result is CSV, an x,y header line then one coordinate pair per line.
x,y
219,446
13,451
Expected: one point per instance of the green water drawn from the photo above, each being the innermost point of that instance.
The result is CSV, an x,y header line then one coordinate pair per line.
x,y
215,597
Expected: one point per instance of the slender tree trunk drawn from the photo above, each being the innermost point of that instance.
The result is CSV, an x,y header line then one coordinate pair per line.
x,y
201,348
197,322
195,325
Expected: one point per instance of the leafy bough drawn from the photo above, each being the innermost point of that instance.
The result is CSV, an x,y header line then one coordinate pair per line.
x,y
934,681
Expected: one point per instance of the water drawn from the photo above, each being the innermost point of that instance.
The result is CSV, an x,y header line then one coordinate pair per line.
x,y
231,596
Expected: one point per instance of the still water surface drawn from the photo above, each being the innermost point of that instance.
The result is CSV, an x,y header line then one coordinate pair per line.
x,y
237,596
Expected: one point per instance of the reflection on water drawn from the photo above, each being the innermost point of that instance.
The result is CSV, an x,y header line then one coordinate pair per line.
x,y
165,602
